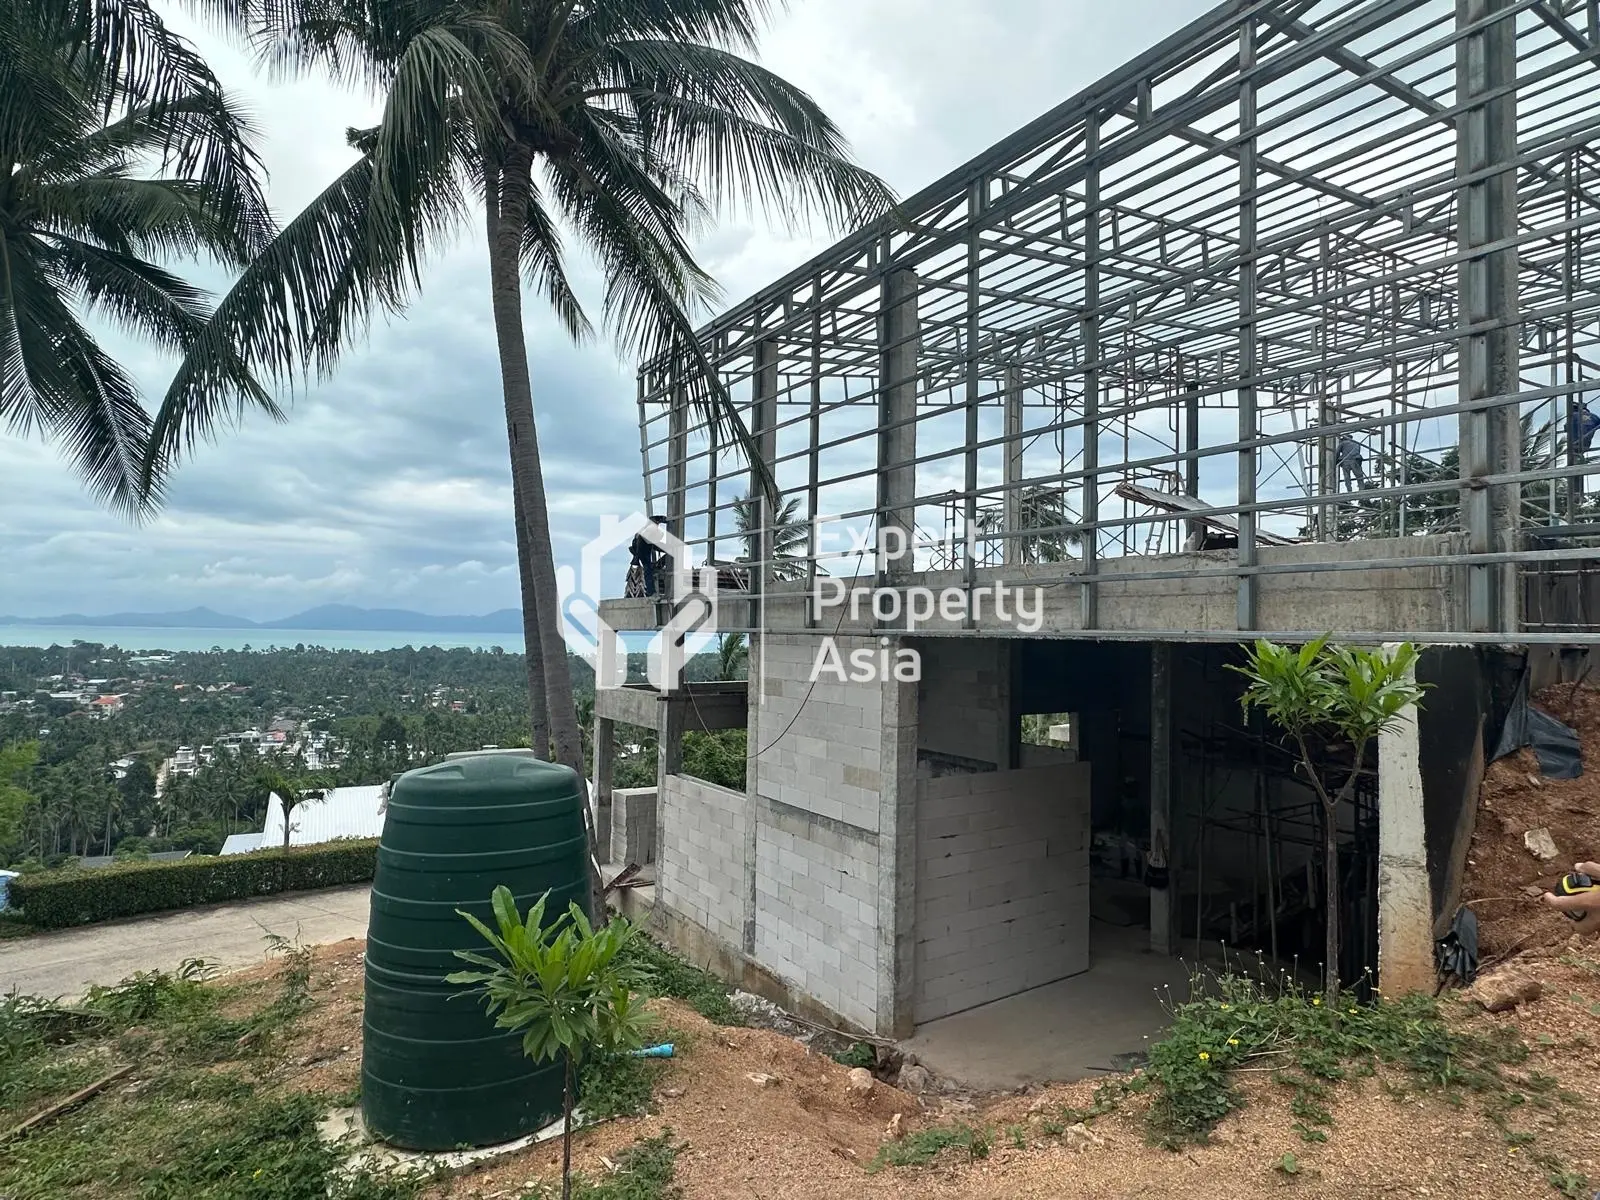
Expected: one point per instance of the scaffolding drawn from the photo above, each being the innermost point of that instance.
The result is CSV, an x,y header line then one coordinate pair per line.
x,y
1292,228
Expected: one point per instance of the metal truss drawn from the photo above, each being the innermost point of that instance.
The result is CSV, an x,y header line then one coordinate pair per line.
x,y
1162,313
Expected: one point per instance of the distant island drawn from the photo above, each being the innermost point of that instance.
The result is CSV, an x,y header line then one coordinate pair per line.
x,y
327,616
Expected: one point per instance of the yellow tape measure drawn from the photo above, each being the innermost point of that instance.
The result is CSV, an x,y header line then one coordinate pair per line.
x,y
1575,885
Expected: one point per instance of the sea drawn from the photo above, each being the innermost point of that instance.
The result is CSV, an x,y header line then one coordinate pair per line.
x,y
146,640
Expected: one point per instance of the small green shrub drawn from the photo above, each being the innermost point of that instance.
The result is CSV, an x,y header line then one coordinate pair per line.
x,y
59,899
1236,1019
858,1054
678,979
922,1147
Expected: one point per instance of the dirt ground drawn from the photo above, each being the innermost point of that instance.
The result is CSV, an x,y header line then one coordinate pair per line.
x,y
806,1136
1503,880
798,1132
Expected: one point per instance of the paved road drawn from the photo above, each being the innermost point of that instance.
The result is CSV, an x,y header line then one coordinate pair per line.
x,y
65,964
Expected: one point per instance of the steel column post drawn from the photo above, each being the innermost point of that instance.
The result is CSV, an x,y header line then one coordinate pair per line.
x,y
1491,439
898,348
1012,503
1090,326
1246,606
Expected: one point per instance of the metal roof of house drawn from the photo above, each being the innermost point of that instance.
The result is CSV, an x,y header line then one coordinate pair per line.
x,y
241,843
347,812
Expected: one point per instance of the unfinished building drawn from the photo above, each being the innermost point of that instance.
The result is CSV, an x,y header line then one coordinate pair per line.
x,y
1282,329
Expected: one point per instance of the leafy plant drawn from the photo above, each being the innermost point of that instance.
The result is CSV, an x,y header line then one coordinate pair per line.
x,y
1321,690
673,977
1236,1020
858,1054
567,986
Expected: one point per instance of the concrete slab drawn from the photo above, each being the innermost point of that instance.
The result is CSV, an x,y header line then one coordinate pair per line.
x,y
1072,1029
230,936
345,1128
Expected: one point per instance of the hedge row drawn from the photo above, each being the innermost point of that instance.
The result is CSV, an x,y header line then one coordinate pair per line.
x,y
81,896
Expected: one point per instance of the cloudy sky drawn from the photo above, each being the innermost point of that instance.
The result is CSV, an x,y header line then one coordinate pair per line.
x,y
389,484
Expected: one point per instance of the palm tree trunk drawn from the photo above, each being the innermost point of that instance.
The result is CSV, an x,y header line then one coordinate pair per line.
x,y
541,611
530,629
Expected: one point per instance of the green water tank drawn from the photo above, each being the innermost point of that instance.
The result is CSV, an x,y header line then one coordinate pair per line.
x,y
435,1072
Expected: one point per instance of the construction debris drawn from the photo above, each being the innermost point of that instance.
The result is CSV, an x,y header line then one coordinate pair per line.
x,y
1540,844
1504,989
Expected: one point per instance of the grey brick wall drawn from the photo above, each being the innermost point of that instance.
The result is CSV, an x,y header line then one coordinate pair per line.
x,y
964,699
817,910
828,761
633,826
1002,895
701,874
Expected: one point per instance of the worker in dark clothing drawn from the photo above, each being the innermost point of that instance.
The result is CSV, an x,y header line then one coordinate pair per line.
x,y
649,557
1583,428
1347,454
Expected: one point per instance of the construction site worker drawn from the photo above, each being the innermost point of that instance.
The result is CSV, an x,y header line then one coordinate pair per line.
x,y
648,557
1586,903
1585,424
1347,454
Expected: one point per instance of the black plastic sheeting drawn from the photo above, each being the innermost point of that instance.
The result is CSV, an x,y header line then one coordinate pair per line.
x,y
1554,744
1457,951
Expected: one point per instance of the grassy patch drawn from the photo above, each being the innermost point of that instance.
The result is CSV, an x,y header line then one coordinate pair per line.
x,y
644,1172
1311,1046
616,1085
678,979
195,1121
922,1147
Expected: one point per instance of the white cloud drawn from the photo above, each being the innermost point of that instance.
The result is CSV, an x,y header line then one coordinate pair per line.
x,y
390,481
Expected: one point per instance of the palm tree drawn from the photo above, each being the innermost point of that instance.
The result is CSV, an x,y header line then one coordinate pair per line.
x,y
117,147
733,656
788,536
1038,507
626,124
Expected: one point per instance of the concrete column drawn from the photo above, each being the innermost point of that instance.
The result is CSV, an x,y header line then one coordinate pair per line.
x,y
755,731
1486,285
897,861
604,766
1405,896
1163,922
899,343
669,741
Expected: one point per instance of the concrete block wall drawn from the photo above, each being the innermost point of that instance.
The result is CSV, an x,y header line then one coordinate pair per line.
x,y
1002,887
828,760
701,868
633,826
964,702
816,919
